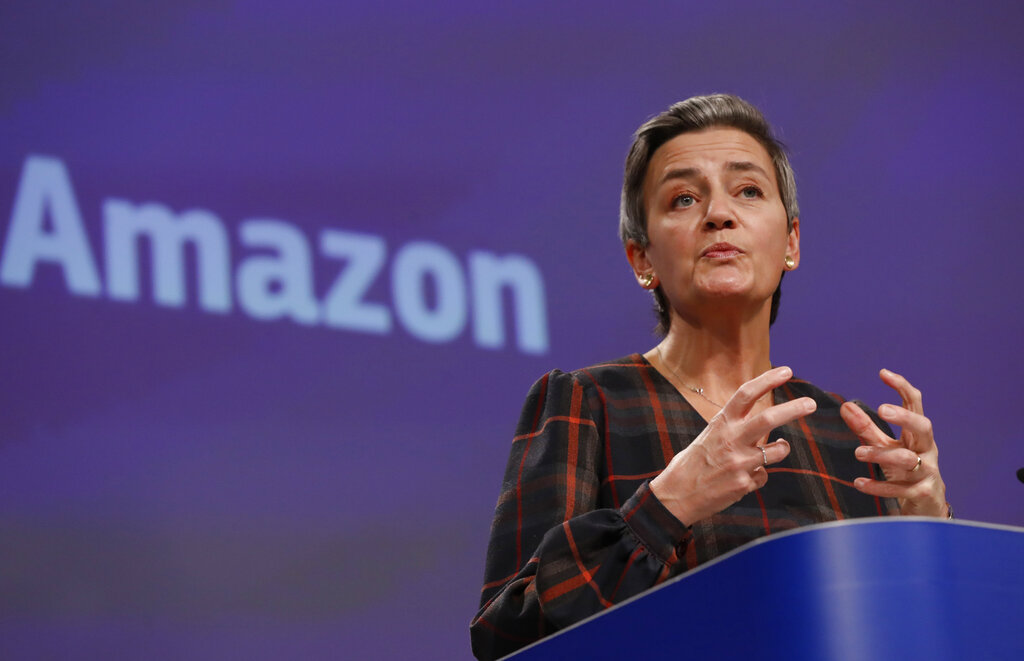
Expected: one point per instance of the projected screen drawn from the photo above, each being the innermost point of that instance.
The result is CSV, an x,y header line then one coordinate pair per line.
x,y
275,281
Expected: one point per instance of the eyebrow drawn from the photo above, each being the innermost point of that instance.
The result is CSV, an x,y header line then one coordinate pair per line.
x,y
681,173
731,166
744,166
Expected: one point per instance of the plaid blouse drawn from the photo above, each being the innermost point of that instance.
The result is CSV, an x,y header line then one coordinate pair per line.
x,y
577,528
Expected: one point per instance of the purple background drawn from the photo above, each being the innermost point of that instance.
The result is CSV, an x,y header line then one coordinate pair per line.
x,y
179,484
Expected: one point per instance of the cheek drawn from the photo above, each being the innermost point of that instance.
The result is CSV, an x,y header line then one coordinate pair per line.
x,y
672,247
780,239
774,256
782,245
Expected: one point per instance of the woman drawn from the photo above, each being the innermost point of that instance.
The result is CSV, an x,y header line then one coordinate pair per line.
x,y
615,481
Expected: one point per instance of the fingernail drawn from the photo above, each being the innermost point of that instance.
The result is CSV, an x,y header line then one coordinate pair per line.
x,y
860,481
810,405
861,452
885,409
785,371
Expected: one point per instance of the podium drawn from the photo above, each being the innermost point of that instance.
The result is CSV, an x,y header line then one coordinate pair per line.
x,y
888,588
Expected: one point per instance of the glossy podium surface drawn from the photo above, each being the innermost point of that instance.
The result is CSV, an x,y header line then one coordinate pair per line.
x,y
900,588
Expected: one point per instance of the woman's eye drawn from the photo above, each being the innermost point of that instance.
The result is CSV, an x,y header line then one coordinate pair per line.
x,y
751,192
684,200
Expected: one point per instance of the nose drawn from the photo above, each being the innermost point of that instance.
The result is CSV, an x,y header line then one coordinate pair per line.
x,y
720,214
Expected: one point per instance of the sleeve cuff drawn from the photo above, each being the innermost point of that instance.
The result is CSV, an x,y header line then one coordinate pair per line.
x,y
654,526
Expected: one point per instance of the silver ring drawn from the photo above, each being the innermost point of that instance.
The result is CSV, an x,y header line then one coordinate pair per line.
x,y
764,455
918,466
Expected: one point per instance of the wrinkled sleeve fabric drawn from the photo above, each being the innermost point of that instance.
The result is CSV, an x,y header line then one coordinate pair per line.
x,y
557,553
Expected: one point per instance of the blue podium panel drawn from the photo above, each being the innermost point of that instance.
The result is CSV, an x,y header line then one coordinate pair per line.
x,y
888,588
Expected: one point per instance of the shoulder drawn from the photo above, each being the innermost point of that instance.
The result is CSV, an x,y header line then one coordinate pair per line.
x,y
579,397
623,377
621,371
609,374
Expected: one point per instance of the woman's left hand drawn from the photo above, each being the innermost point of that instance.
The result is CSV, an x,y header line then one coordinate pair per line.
x,y
910,464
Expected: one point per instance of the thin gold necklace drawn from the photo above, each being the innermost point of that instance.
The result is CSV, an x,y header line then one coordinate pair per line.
x,y
699,391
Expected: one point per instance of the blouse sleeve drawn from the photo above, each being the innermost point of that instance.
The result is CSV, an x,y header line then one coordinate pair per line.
x,y
556,555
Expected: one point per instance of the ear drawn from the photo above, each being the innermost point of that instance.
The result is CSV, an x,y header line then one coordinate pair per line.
x,y
639,260
793,244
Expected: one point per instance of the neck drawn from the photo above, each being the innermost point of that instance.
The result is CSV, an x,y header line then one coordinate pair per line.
x,y
717,357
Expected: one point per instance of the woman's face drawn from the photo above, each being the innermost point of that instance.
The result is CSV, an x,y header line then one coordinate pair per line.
x,y
716,224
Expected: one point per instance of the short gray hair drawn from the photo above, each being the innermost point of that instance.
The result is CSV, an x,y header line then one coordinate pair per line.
x,y
695,114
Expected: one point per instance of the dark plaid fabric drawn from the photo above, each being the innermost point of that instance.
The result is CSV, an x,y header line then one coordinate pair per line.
x,y
577,528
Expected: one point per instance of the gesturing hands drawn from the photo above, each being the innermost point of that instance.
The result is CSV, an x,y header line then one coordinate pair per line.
x,y
910,464
725,462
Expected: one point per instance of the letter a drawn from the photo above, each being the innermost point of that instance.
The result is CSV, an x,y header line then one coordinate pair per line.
x,y
46,188
270,287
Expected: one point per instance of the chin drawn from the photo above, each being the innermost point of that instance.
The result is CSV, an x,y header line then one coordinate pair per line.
x,y
727,288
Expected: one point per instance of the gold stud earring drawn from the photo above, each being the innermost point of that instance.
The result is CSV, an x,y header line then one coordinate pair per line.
x,y
790,263
646,280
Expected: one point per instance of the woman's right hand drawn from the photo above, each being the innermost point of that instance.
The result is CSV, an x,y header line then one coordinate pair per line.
x,y
725,462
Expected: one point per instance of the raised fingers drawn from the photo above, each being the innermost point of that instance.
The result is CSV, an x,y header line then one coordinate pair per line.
x,y
776,452
889,489
910,395
743,400
863,426
771,453
917,429
890,459
776,416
